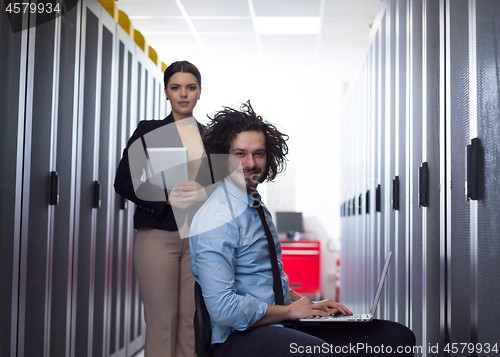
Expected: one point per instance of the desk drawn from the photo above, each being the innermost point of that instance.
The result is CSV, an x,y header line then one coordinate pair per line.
x,y
301,262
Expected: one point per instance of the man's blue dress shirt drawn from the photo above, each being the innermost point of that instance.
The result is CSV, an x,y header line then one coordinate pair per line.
x,y
230,260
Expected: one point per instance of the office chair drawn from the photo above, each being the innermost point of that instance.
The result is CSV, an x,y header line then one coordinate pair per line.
x,y
202,329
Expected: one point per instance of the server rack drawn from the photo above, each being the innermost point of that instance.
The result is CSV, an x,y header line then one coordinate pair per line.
x,y
87,184
65,166
34,243
401,245
13,59
459,279
69,287
391,155
436,101
416,133
485,243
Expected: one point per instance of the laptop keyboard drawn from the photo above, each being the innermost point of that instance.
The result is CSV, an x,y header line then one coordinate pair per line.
x,y
353,318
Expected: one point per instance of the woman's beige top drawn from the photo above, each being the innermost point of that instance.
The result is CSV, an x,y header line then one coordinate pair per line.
x,y
191,139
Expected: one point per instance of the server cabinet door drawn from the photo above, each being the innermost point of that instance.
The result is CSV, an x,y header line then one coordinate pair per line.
x,y
13,52
458,255
121,319
402,248
381,161
65,164
119,204
433,151
391,155
87,187
486,245
106,167
36,240
415,128
372,183
135,336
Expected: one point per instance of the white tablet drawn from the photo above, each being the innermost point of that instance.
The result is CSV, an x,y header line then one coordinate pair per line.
x,y
172,162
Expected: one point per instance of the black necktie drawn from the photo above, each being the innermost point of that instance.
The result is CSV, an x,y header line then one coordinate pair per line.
x,y
278,290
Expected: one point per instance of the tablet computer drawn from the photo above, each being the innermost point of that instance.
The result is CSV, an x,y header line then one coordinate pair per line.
x,y
171,163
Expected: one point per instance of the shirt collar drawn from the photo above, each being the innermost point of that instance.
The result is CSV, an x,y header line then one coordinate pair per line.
x,y
241,195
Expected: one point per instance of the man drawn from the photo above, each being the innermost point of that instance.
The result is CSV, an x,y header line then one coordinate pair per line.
x,y
232,259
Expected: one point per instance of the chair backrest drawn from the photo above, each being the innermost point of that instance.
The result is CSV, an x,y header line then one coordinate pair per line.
x,y
202,328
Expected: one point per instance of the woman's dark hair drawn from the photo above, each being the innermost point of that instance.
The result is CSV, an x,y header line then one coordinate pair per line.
x,y
228,123
181,66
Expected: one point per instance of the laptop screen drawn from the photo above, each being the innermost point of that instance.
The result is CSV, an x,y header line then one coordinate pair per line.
x,y
381,283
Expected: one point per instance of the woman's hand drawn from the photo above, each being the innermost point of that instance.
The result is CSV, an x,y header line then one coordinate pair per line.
x,y
304,307
186,193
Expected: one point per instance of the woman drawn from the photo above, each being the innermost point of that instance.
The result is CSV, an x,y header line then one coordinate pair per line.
x,y
161,256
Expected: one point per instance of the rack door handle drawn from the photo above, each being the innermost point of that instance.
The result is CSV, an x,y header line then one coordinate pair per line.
x,y
377,199
367,201
395,193
123,202
54,188
97,195
423,185
472,152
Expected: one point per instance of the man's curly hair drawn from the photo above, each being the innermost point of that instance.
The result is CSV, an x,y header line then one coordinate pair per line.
x,y
228,123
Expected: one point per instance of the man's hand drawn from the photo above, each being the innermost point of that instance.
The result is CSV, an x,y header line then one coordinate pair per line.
x,y
301,308
186,193
304,307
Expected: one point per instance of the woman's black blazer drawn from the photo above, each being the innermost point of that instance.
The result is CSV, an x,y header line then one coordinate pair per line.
x,y
153,214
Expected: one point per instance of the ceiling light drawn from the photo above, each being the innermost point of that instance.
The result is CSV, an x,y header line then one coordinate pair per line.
x,y
287,25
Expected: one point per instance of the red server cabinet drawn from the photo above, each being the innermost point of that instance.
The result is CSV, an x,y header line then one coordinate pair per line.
x,y
301,262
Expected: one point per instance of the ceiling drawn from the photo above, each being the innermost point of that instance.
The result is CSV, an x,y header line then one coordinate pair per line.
x,y
230,31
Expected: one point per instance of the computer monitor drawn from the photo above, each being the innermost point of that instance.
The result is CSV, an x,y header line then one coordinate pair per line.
x,y
289,223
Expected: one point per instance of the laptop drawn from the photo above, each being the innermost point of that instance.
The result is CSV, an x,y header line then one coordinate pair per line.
x,y
172,163
357,317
